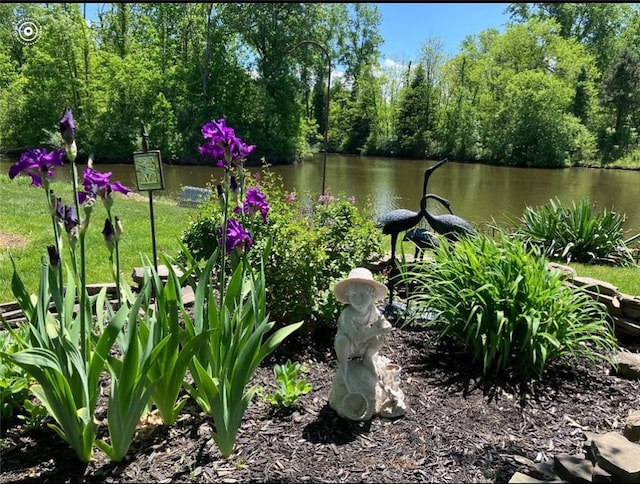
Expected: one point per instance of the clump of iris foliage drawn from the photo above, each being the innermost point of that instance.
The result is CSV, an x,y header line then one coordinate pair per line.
x,y
510,311
67,350
314,243
576,234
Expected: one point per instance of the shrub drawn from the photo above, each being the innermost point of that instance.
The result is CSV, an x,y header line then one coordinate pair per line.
x,y
315,243
500,299
576,234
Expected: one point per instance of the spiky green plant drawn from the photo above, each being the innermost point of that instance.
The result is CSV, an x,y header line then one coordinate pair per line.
x,y
576,234
513,313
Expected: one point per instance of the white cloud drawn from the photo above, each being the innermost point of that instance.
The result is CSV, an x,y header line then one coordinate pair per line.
x,y
390,63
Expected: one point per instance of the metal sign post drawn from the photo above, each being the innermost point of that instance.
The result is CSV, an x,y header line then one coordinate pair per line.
x,y
148,168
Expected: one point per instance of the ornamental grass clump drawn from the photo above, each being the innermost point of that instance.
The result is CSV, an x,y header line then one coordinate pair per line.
x,y
510,311
576,234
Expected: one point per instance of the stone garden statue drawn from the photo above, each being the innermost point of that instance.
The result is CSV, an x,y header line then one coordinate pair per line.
x,y
366,383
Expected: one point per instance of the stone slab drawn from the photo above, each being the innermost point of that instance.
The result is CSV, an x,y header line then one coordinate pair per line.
x,y
519,477
632,426
573,468
615,454
628,364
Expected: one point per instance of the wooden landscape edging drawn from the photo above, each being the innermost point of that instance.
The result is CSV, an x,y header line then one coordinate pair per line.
x,y
13,315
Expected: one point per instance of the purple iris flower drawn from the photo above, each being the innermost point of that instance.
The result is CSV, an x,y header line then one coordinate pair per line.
x,y
221,141
59,209
37,163
95,182
70,219
109,234
256,201
67,127
54,256
236,235
218,131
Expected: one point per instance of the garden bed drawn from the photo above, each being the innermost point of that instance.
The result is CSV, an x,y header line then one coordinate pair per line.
x,y
459,427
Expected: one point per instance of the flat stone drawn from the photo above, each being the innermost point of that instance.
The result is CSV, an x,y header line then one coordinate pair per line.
x,y
573,468
520,477
163,272
628,364
595,285
632,426
615,454
544,470
601,476
586,446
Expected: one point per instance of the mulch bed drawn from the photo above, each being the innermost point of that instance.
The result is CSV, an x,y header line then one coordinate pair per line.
x,y
459,427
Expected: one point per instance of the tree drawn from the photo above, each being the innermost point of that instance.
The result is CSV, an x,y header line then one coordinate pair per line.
x,y
621,91
414,123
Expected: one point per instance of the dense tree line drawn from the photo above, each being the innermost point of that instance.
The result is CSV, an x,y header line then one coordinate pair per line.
x,y
560,86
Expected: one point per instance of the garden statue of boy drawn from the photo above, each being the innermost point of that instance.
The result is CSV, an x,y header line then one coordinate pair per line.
x,y
365,382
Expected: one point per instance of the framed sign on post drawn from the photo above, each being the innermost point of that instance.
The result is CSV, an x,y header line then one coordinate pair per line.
x,y
148,166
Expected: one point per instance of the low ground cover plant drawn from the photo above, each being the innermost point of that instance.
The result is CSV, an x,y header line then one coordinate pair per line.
x,y
511,312
291,384
577,234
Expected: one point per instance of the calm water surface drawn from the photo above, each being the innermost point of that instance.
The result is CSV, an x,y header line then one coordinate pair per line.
x,y
481,194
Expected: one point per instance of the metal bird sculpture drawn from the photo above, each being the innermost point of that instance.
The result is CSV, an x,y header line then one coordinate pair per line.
x,y
402,219
423,240
448,224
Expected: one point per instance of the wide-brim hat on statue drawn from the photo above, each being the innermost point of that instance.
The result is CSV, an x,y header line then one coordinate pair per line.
x,y
364,276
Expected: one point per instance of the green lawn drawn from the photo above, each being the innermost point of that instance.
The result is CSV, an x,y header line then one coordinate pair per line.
x,y
25,218
627,279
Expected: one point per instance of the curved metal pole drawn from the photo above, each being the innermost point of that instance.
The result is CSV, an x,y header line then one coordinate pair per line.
x,y
326,109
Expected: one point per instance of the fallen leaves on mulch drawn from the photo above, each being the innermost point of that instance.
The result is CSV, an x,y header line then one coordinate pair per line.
x,y
459,427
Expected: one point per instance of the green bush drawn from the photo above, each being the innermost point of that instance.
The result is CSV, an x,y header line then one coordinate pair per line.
x,y
315,243
14,381
576,234
512,312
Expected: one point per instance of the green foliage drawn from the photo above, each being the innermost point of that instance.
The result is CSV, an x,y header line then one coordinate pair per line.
x,y
68,380
161,328
292,385
130,384
314,245
510,311
175,65
14,381
577,233
221,368
34,415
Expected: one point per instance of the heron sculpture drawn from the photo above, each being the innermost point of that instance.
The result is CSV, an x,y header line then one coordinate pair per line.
x,y
423,240
402,219
448,224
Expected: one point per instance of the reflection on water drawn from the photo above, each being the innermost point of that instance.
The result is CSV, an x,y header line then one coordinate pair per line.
x,y
479,193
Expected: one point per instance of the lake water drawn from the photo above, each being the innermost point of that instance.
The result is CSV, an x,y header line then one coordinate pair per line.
x,y
479,193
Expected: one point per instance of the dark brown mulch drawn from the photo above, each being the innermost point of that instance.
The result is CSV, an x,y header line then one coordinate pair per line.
x,y
459,427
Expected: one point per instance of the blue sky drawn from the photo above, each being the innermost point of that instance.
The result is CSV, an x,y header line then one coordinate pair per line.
x,y
405,26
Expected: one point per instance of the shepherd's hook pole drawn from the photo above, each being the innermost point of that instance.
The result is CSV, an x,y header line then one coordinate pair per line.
x,y
326,109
